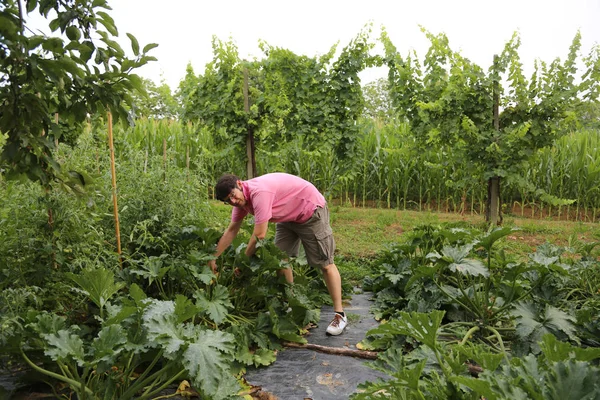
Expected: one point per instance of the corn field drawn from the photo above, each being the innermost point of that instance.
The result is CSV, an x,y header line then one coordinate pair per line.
x,y
388,170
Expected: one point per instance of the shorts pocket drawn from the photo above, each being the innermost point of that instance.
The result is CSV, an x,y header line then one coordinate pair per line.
x,y
326,232
325,244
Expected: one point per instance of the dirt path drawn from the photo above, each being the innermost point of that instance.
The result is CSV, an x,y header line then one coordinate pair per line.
x,y
308,374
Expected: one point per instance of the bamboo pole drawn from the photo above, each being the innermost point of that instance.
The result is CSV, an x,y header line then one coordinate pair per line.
x,y
187,163
165,159
114,186
56,138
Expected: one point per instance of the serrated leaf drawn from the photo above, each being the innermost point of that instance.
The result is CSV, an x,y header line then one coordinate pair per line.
x,y
203,272
455,254
184,308
470,267
263,357
573,380
207,360
217,305
108,343
137,294
116,315
420,326
64,346
532,325
478,386
494,235
543,259
98,283
163,329
559,320
526,319
555,350
47,323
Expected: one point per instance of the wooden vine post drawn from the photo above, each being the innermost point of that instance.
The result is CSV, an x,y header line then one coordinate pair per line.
x,y
493,215
250,149
114,186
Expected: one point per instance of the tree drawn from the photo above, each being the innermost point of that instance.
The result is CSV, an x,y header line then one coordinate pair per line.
x,y
156,101
378,102
315,99
79,70
450,100
185,94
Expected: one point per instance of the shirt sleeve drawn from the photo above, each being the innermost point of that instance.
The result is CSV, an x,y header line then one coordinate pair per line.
x,y
263,206
238,214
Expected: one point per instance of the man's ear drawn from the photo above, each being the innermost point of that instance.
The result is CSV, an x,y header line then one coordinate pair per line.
x,y
239,184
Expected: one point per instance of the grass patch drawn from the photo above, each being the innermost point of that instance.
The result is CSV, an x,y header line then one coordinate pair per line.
x,y
361,233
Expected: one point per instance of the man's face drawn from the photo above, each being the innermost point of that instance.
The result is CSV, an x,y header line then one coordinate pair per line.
x,y
236,197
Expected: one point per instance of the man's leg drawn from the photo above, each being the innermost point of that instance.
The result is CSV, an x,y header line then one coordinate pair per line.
x,y
287,241
333,281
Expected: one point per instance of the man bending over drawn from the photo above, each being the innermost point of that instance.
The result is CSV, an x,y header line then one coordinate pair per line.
x,y
301,216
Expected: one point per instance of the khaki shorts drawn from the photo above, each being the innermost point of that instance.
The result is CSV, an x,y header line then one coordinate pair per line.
x,y
315,235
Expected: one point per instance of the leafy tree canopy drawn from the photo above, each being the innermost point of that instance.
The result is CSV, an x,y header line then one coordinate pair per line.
x,y
78,70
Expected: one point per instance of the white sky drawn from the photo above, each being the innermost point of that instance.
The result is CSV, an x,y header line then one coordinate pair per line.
x,y
478,28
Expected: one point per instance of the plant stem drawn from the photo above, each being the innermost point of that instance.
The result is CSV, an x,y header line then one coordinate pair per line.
x,y
70,382
468,334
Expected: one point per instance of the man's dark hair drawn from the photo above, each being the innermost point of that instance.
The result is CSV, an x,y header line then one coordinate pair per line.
x,y
225,185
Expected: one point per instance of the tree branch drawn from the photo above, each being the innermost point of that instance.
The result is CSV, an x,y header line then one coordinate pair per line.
x,y
369,355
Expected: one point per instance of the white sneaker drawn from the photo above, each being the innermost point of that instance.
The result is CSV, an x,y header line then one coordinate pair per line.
x,y
337,325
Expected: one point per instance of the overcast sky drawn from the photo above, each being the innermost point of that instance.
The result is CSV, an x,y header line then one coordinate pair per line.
x,y
478,28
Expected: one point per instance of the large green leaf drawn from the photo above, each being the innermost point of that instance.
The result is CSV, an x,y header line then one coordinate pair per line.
x,y
456,256
420,326
65,346
108,344
163,329
207,360
184,308
135,46
152,269
555,350
488,240
98,283
469,267
47,323
216,304
573,380
533,324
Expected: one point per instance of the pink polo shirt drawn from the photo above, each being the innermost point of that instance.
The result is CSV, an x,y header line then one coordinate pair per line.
x,y
278,197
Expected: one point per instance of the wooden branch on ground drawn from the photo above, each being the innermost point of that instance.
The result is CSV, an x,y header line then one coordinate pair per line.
x,y
369,355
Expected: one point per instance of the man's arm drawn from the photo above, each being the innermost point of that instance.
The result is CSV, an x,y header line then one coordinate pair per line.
x,y
260,232
225,241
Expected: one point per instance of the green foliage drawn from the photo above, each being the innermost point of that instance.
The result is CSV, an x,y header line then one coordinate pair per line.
x,y
86,72
98,284
156,102
449,100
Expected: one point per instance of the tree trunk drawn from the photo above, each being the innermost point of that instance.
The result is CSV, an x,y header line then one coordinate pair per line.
x,y
250,150
493,214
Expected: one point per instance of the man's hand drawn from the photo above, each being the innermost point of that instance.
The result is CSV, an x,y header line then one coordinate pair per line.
x,y
213,266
